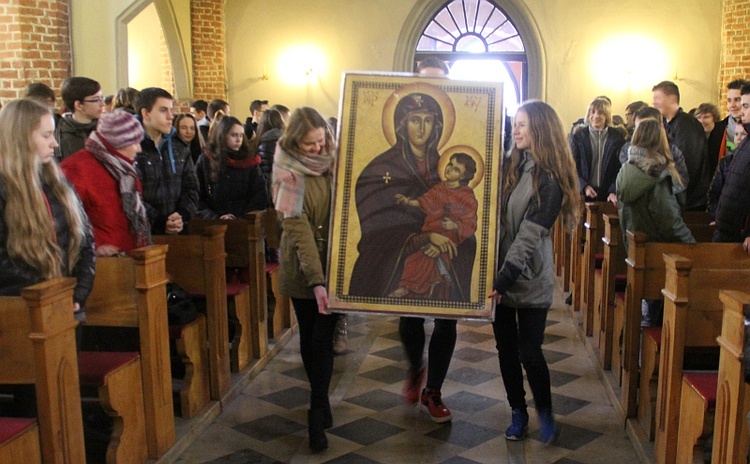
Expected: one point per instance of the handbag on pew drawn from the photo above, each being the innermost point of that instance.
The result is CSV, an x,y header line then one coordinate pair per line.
x,y
181,309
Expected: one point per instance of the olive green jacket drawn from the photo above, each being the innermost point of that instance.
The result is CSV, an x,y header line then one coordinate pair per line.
x,y
646,201
304,241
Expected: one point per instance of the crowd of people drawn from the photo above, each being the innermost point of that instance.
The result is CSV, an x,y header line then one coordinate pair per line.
x,y
102,178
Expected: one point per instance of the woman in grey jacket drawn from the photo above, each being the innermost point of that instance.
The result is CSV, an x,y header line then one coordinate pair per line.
x,y
539,183
302,193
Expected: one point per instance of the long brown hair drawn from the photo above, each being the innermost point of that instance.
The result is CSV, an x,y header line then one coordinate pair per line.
x,y
302,121
31,233
651,136
551,154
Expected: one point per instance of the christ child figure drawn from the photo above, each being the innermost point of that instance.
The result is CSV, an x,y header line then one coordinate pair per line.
x,y
451,217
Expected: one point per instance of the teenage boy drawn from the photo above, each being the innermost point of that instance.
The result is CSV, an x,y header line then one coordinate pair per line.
x,y
170,187
199,109
84,102
257,108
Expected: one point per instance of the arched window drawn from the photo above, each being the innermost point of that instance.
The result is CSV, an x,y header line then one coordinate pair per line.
x,y
478,41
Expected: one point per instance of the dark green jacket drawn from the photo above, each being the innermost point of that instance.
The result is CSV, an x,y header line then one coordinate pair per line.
x,y
647,203
304,241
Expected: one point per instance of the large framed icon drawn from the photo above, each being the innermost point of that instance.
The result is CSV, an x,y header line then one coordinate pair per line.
x,y
416,197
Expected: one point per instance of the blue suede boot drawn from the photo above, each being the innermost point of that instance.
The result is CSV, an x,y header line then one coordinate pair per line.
x,y
549,431
519,424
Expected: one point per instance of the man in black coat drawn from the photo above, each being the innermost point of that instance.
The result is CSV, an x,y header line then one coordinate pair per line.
x,y
688,135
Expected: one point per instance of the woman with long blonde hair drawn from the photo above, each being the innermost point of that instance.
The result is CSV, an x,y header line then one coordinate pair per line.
x,y
44,232
539,184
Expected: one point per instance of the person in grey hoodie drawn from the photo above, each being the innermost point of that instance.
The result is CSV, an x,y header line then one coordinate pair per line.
x,y
540,182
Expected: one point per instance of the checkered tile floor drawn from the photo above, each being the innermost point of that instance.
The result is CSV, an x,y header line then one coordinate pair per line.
x,y
267,422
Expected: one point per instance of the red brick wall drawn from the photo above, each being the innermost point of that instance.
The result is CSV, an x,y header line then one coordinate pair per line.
x,y
209,49
34,45
735,57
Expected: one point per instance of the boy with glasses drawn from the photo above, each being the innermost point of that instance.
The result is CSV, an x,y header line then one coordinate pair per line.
x,y
84,102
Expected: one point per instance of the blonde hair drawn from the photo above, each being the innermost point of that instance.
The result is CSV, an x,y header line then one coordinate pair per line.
x,y
650,135
551,154
31,231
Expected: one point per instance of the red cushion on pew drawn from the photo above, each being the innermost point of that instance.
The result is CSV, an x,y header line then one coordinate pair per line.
x,y
653,333
598,258
270,267
93,366
705,383
235,288
620,296
11,427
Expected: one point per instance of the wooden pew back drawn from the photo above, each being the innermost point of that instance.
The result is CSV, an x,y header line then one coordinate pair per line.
x,y
197,263
731,435
594,229
41,322
131,292
244,247
646,277
693,316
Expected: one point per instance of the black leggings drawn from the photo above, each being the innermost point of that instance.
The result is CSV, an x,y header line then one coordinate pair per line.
x,y
316,348
442,343
519,334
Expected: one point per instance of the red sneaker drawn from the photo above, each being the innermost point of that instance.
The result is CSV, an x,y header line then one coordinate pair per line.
x,y
413,385
432,402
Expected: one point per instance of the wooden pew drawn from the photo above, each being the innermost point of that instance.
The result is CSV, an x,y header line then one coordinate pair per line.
x,y
41,322
593,249
245,250
130,292
692,318
197,264
731,434
612,274
646,286
577,239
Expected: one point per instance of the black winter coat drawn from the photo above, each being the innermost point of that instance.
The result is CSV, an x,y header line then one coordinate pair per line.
x,y
734,203
687,133
237,190
580,145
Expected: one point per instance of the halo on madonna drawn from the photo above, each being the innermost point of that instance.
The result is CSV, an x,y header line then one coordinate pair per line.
x,y
446,106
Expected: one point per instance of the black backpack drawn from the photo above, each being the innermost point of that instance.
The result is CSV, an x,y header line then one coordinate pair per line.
x,y
181,309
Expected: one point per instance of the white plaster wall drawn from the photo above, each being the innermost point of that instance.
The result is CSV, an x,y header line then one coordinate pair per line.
x,y
93,40
362,35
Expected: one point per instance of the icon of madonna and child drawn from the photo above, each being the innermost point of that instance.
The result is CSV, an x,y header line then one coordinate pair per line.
x,y
417,209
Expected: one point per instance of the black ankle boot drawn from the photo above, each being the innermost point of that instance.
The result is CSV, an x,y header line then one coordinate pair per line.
x,y
315,430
